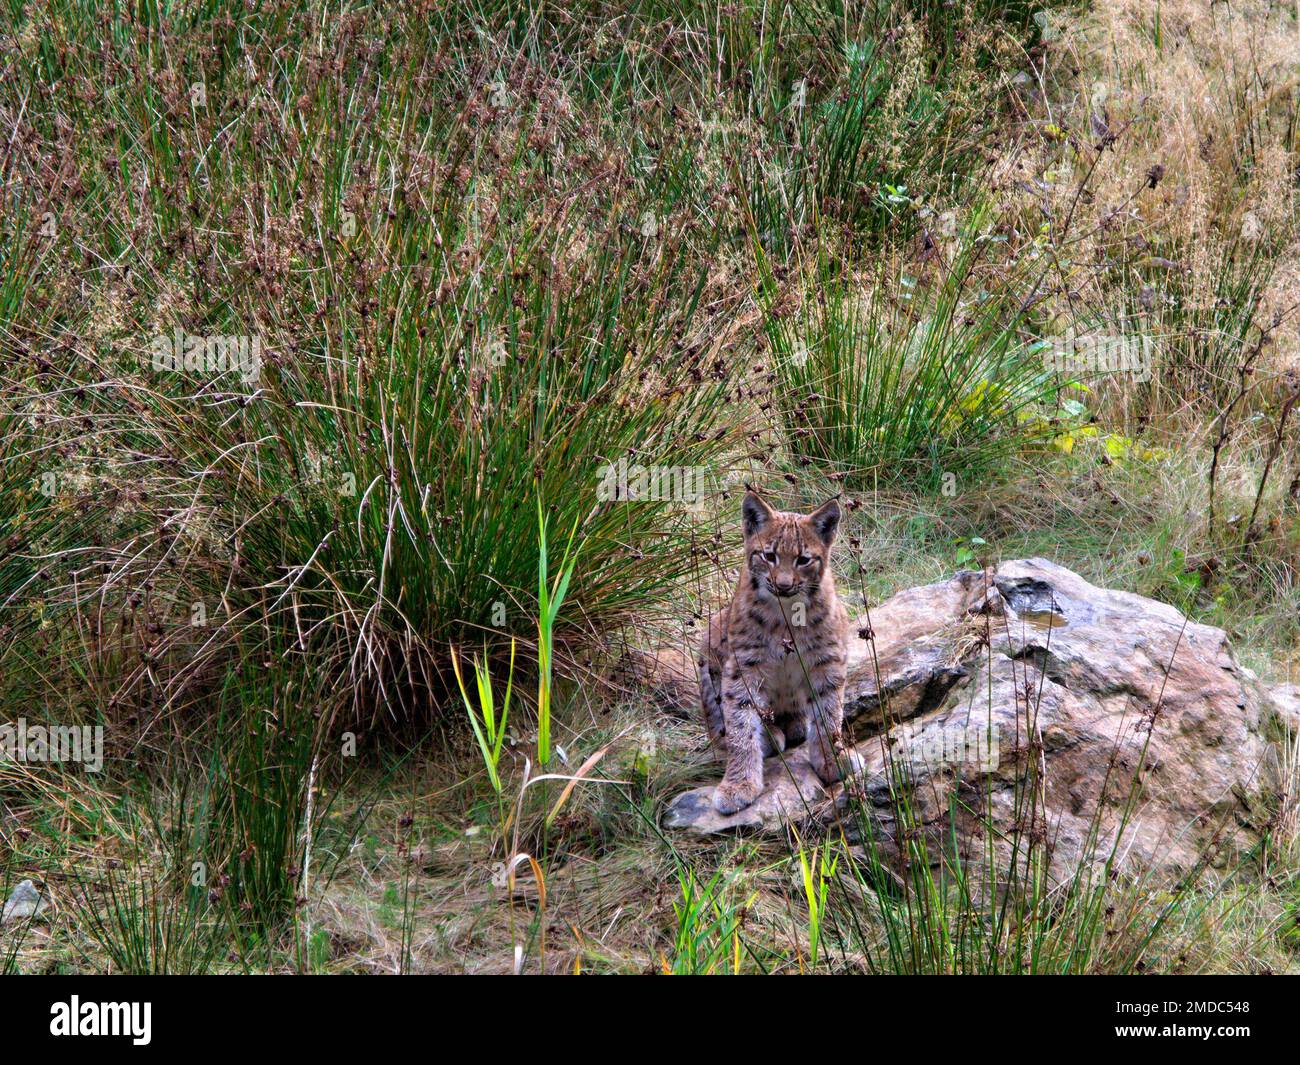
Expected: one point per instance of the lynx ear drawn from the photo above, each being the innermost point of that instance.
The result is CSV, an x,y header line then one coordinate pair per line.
x,y
826,521
754,514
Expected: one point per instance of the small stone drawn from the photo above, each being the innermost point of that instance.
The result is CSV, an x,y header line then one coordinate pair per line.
x,y
25,901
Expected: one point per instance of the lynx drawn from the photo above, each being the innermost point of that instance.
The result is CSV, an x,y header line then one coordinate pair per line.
x,y
772,664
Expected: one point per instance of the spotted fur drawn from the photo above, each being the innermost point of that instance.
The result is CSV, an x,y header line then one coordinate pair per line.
x,y
772,664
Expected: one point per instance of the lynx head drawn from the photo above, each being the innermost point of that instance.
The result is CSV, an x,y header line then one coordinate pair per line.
x,y
788,554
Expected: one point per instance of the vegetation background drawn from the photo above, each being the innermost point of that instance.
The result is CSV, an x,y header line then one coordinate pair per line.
x,y
486,250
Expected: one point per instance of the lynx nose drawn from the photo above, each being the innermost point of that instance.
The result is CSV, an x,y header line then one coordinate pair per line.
x,y
783,589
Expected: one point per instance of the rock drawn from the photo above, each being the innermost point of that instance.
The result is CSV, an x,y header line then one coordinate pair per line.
x,y
25,901
1120,718
1287,698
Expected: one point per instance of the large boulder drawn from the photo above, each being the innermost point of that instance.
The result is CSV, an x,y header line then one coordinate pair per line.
x,y
1025,700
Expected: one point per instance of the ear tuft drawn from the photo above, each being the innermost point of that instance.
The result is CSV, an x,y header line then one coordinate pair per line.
x,y
826,521
754,514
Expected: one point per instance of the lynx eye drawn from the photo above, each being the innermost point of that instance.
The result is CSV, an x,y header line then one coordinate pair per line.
x,y
770,556
804,560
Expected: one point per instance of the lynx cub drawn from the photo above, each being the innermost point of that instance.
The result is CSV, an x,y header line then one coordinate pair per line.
x,y
772,663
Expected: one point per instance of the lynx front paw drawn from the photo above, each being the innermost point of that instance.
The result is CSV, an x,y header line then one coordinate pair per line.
x,y
846,763
730,796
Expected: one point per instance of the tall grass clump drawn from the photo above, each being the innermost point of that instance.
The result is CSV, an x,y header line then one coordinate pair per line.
x,y
148,909
503,321
887,376
218,852
259,809
892,116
